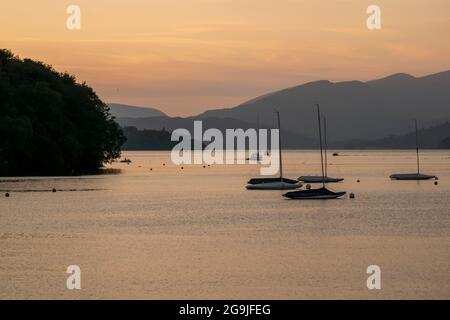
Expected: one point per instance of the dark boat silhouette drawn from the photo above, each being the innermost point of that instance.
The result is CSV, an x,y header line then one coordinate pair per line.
x,y
320,193
311,194
319,179
128,161
270,180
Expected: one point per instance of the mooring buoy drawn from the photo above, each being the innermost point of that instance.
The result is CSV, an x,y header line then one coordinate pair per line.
x,y
53,190
352,195
435,183
7,195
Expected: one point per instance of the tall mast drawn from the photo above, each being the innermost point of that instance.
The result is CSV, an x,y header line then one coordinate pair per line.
x,y
320,141
417,146
279,146
325,149
257,134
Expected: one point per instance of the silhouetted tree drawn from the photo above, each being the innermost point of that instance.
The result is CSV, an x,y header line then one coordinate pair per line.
x,y
49,123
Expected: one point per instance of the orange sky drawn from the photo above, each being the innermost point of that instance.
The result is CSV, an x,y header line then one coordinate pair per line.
x,y
186,56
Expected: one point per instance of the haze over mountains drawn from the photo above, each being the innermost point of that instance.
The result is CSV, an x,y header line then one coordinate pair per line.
x,y
354,109
123,111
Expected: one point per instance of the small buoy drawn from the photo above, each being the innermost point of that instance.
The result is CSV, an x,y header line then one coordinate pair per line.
x,y
358,181
7,194
308,187
182,168
204,167
435,183
352,195
53,190
164,164
151,169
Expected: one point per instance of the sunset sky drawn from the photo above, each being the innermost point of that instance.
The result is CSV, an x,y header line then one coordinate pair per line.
x,y
186,56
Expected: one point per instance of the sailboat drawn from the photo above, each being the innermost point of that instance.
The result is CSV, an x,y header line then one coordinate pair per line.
x,y
127,161
256,156
321,193
326,178
278,183
417,175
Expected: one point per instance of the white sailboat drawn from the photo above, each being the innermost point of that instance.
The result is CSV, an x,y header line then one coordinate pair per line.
x,y
417,175
325,178
278,183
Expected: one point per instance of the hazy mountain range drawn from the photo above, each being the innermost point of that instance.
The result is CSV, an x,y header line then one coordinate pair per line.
x,y
123,111
429,138
355,110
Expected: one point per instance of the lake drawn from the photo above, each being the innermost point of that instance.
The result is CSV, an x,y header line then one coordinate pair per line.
x,y
197,233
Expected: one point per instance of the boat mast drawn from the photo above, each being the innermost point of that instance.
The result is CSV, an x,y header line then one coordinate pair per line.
x,y
279,146
417,147
257,135
320,142
325,149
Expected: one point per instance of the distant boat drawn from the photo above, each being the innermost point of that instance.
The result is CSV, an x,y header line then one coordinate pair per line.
x,y
321,193
256,156
128,161
417,175
321,179
278,183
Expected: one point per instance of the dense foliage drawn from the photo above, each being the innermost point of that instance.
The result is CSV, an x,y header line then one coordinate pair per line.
x,y
49,123
147,139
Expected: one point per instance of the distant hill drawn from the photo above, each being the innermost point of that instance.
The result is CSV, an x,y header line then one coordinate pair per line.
x,y
122,110
354,109
429,138
289,139
147,139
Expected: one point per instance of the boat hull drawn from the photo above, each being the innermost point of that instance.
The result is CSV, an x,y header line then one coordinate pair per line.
x,y
314,194
319,179
276,185
411,176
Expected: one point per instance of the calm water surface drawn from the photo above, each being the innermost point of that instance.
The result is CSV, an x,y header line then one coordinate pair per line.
x,y
172,233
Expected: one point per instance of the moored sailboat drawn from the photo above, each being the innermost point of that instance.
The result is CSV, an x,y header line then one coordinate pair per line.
x,y
320,193
417,175
278,183
324,178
